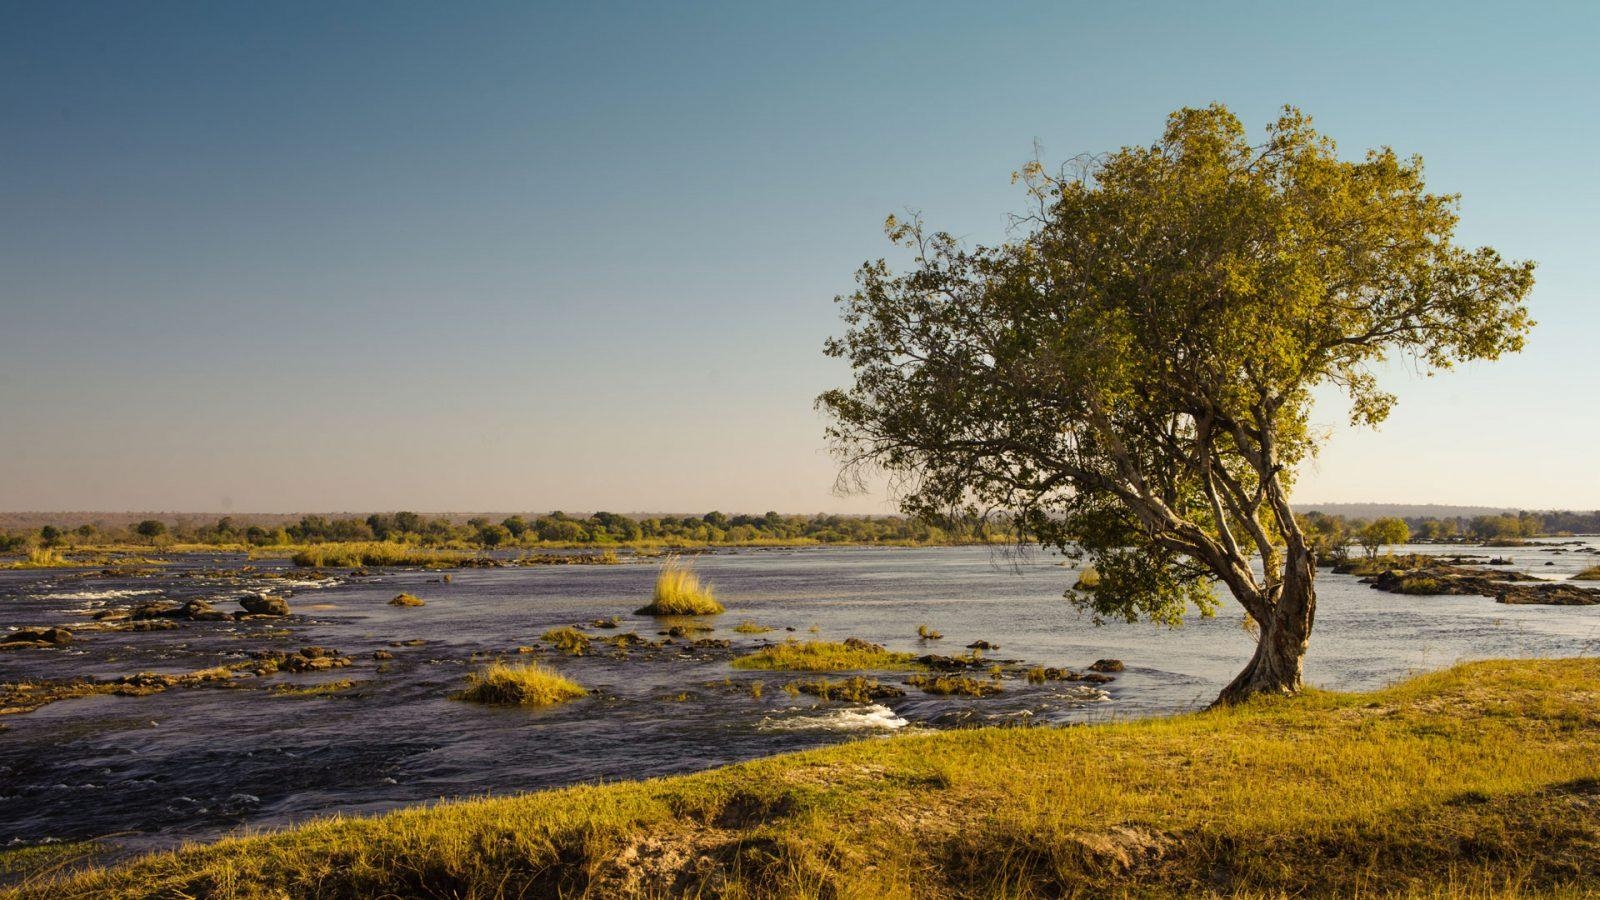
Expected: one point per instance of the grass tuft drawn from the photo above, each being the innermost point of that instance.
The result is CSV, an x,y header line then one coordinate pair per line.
x,y
679,593
568,640
749,627
1590,574
407,600
520,685
962,685
827,656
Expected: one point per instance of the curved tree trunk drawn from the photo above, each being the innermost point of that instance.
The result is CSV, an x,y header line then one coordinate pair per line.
x,y
1281,646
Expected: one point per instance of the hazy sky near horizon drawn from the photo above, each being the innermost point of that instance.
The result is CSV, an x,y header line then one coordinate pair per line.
x,y
348,256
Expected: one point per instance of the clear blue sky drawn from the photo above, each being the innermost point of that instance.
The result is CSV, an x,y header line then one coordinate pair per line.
x,y
330,256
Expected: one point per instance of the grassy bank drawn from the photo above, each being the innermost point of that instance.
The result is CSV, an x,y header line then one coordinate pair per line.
x,y
1477,780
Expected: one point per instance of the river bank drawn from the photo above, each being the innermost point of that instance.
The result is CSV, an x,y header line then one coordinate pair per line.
x,y
1478,780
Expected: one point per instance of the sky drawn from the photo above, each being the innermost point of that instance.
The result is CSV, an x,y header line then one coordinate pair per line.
x,y
336,256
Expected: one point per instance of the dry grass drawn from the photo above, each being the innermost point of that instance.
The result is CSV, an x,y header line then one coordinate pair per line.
x,y
568,640
1476,781
407,600
750,627
354,554
520,685
827,656
679,593
1590,574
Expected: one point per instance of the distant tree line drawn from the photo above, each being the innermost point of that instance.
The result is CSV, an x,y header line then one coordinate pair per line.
x,y
1333,535
519,531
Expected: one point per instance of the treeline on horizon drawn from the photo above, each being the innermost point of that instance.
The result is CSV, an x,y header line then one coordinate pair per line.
x,y
556,528
602,528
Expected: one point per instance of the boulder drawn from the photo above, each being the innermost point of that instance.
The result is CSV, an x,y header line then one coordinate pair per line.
x,y
153,609
1106,665
264,605
1096,677
198,610
982,645
43,637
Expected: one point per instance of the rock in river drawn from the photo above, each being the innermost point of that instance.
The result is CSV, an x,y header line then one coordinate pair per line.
x,y
264,605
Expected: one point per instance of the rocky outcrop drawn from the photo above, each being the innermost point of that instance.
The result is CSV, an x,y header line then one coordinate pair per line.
x,y
36,637
264,605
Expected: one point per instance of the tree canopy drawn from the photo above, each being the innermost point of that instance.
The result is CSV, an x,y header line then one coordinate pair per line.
x,y
1132,373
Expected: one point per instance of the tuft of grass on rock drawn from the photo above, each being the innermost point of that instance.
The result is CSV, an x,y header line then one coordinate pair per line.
x,y
568,640
856,689
827,656
750,627
928,634
1590,574
520,685
407,600
962,685
679,592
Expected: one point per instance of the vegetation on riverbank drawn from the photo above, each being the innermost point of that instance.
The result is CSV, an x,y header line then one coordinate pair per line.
x,y
678,592
1478,780
827,656
527,684
1590,574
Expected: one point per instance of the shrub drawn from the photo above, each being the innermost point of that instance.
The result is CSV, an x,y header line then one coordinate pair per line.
x,y
928,634
680,593
520,685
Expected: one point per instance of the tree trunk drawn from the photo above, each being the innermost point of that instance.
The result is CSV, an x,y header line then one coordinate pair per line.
x,y
1281,647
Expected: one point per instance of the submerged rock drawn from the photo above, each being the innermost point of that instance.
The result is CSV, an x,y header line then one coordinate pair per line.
x,y
1106,665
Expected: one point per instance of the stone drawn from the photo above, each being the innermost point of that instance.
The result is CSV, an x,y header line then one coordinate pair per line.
x,y
264,605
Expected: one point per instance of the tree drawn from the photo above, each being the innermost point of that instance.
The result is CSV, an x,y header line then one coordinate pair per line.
x,y
1131,374
150,529
1380,531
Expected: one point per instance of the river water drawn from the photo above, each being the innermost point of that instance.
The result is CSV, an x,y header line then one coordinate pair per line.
x,y
198,763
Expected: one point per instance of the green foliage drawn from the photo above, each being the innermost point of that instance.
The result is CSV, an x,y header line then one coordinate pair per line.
x,y
1386,530
1133,373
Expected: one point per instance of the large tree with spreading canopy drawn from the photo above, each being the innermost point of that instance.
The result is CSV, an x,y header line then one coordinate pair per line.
x,y
1131,374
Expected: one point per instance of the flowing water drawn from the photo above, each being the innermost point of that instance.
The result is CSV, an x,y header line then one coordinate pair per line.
x,y
197,763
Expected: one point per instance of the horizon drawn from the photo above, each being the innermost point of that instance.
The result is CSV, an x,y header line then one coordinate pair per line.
x,y
530,256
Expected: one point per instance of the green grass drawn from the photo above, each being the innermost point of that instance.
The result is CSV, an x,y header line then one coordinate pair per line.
x,y
827,656
679,592
520,685
750,627
407,600
1590,574
1476,781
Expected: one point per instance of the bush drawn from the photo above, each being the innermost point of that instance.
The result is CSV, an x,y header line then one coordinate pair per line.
x,y
680,593
520,685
